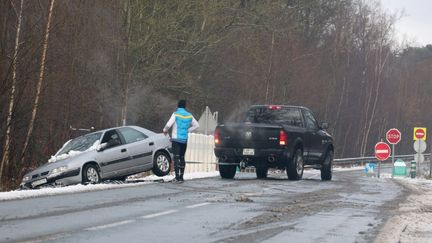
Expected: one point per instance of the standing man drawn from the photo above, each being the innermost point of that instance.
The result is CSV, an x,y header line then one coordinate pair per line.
x,y
182,122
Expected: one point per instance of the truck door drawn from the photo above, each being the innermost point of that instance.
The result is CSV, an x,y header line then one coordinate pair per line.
x,y
313,137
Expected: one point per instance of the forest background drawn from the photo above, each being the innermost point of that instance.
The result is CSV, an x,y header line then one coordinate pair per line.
x,y
105,63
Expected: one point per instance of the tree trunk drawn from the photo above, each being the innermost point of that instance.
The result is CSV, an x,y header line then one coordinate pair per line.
x,y
40,82
6,150
268,76
381,64
127,72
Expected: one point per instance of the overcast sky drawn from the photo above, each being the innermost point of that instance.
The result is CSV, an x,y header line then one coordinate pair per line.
x,y
416,25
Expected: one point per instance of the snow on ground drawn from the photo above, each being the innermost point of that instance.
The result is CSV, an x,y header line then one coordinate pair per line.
x,y
412,222
22,194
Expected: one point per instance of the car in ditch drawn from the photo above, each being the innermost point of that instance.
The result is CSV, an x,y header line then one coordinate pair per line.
x,y
113,153
275,136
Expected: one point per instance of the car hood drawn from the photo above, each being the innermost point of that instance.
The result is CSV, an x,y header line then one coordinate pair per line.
x,y
58,163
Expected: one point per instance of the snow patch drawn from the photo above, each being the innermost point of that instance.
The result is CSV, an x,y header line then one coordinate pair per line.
x,y
23,194
412,221
71,153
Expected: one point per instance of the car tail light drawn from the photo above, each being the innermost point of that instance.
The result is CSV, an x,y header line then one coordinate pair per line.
x,y
216,136
283,138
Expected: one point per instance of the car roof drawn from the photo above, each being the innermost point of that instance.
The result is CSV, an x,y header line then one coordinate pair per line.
x,y
111,128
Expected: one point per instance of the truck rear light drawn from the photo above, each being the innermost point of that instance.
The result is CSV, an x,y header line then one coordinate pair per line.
x,y
216,136
275,107
283,138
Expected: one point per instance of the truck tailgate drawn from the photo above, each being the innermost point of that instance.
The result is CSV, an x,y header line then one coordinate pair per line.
x,y
249,135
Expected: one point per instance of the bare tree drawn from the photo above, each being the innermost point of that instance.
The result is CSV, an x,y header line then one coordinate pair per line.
x,y
40,81
8,136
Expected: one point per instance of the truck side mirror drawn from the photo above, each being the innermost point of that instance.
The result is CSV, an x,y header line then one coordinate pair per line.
x,y
324,125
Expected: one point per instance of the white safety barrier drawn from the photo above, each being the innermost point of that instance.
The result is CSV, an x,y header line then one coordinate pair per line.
x,y
200,153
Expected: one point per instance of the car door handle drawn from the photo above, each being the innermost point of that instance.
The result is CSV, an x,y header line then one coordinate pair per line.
x,y
123,150
151,144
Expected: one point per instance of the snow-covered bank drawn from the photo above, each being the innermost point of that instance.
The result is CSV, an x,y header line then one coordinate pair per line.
x,y
13,195
412,221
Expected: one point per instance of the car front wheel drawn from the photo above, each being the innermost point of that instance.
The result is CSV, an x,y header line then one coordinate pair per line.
x,y
90,174
161,164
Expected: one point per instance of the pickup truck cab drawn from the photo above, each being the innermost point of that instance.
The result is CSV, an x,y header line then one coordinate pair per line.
x,y
275,136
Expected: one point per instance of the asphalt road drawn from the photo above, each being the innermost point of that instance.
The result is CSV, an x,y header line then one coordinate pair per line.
x,y
350,208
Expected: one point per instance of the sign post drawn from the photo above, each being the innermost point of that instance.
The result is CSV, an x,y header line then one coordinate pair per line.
x,y
393,137
382,152
420,148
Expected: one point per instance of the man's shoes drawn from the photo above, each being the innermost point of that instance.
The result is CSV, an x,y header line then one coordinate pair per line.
x,y
177,180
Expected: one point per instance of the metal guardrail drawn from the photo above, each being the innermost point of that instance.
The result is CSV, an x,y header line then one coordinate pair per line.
x,y
347,161
362,160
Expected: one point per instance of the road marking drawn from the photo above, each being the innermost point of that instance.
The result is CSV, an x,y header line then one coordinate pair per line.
x,y
198,205
105,226
158,214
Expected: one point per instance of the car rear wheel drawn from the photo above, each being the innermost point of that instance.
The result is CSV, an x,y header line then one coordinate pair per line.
x,y
227,171
327,168
296,166
261,171
90,174
161,164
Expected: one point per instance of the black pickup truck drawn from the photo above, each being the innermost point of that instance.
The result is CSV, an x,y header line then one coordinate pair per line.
x,y
273,136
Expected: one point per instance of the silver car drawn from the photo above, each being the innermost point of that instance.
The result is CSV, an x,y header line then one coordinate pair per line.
x,y
113,153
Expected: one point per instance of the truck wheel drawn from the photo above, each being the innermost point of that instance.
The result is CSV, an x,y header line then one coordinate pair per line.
x,y
261,171
327,168
296,166
227,171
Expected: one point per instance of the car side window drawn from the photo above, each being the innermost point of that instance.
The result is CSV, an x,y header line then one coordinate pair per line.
x,y
112,138
311,123
131,135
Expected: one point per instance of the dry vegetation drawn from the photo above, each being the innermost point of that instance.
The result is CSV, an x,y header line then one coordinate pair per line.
x,y
104,63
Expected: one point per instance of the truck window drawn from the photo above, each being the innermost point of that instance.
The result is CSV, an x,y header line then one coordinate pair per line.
x,y
311,123
283,116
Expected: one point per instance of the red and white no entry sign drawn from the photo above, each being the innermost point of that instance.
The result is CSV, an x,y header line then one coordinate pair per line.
x,y
382,151
393,136
419,133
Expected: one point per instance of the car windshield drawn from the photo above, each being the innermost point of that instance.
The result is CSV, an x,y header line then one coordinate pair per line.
x,y
80,143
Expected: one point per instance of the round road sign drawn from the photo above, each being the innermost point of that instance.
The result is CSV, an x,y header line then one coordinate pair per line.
x,y
393,136
419,133
382,151
419,146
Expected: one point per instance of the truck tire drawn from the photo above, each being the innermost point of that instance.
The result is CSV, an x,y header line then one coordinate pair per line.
x,y
326,169
261,171
227,171
296,166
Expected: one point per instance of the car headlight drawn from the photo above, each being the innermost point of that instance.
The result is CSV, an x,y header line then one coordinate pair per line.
x,y
58,170
26,178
